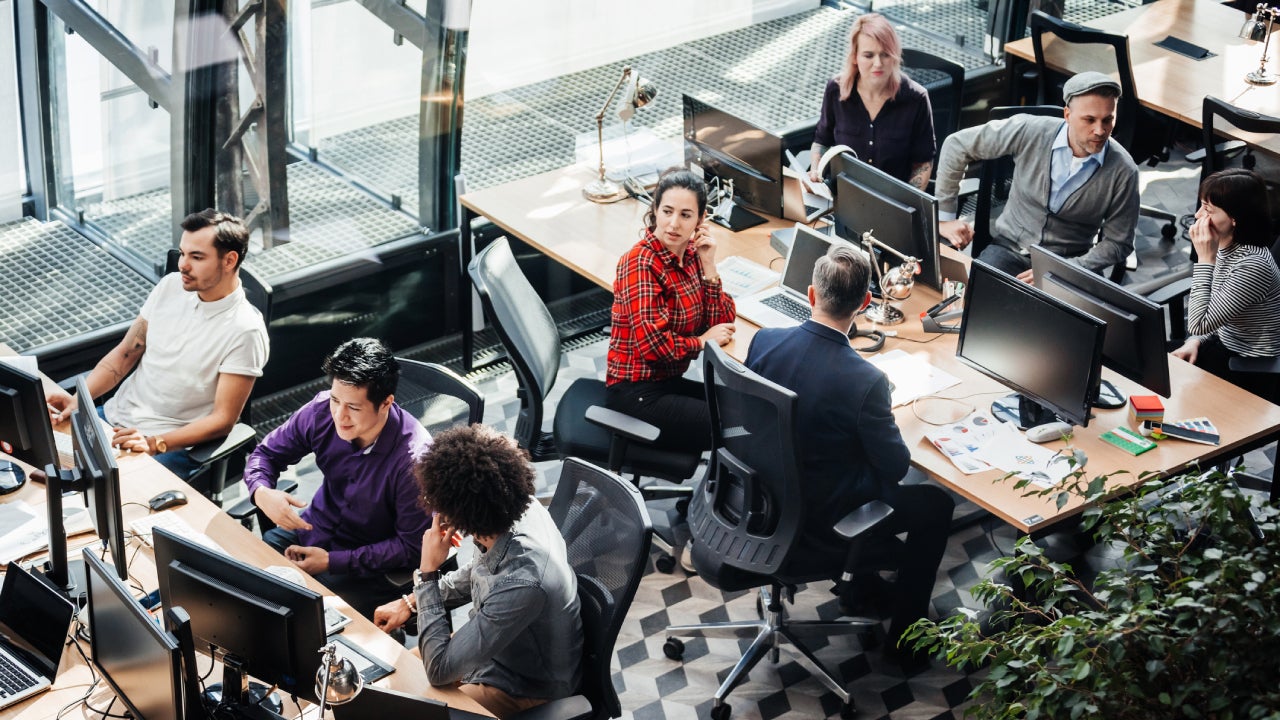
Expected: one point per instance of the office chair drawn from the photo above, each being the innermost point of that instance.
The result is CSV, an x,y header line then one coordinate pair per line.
x,y
582,427
945,82
606,533
1134,124
746,516
1219,112
437,396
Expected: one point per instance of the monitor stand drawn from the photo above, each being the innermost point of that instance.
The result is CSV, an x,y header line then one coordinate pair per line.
x,y
245,699
738,219
12,478
1109,397
1021,411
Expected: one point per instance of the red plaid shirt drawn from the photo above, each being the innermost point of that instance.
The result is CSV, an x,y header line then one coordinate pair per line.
x,y
659,310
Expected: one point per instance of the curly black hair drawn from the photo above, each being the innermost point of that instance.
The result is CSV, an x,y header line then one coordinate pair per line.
x,y
479,479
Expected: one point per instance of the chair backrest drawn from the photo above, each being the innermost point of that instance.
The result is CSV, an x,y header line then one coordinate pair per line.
x,y
606,531
1216,112
437,396
1111,58
525,328
945,82
744,510
997,173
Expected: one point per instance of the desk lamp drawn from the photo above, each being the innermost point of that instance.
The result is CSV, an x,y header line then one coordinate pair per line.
x,y
337,680
1258,27
894,284
639,93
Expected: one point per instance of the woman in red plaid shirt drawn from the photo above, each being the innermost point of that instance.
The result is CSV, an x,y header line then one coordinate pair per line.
x,y
667,303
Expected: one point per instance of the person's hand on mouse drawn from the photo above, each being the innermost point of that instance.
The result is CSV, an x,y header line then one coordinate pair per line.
x,y
311,560
279,506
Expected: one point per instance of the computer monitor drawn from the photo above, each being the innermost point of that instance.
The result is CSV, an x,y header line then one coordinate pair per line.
x,y
903,217
1134,346
140,661
730,148
260,624
25,432
1048,352
98,474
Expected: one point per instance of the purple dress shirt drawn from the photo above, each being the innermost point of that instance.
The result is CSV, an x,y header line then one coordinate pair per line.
x,y
366,513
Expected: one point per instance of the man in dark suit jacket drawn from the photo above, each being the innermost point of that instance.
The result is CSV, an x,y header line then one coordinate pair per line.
x,y
849,440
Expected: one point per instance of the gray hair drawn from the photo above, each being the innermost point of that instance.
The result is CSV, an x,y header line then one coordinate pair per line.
x,y
840,280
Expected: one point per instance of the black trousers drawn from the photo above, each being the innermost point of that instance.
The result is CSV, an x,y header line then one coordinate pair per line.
x,y
364,593
1214,357
678,407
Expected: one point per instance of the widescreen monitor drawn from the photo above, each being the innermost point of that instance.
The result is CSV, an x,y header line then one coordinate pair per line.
x,y
1134,345
140,661
901,216
1048,352
25,432
273,628
730,148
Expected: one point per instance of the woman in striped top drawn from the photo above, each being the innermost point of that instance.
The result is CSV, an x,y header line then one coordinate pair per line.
x,y
1234,309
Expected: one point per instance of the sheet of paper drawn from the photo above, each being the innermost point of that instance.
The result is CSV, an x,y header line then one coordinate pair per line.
x,y
1016,454
960,441
742,277
25,363
32,536
911,376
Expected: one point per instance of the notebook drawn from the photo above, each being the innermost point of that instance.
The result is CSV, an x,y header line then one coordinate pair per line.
x,y
787,304
34,619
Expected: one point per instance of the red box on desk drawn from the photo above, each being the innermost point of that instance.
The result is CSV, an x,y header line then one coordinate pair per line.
x,y
1145,407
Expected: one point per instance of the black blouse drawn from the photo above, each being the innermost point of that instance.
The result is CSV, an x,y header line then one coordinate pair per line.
x,y
901,136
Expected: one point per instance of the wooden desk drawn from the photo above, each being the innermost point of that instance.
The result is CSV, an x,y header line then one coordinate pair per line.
x,y
1172,84
549,213
142,477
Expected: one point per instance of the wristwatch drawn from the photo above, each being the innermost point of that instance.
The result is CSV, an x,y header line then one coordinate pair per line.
x,y
161,445
420,577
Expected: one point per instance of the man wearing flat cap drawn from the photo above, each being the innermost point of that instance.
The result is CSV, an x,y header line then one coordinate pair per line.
x,y
1070,181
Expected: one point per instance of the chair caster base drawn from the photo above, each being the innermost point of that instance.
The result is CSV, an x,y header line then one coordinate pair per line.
x,y
665,564
721,711
673,648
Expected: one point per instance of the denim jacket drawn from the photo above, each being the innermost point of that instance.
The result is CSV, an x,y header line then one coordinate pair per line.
x,y
524,635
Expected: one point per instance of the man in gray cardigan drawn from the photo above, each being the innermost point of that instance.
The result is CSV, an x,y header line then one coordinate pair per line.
x,y
1070,181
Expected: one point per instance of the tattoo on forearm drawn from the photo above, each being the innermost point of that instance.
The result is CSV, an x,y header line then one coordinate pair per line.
x,y
920,174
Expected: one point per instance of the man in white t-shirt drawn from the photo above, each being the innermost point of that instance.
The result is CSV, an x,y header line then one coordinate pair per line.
x,y
197,346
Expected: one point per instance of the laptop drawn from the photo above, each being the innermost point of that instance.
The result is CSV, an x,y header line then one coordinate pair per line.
x,y
798,203
787,304
375,703
34,619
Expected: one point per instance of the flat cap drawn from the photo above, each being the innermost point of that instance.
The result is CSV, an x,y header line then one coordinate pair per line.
x,y
1085,83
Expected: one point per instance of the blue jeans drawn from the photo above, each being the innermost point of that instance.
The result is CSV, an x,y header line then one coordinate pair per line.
x,y
179,462
1005,260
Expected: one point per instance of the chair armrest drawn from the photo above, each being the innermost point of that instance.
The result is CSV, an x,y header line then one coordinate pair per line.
x,y
623,424
1255,364
1161,290
240,436
862,518
576,707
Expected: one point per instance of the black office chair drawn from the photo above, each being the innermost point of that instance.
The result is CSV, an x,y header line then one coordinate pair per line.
x,y
746,517
945,82
1214,114
436,395
606,532
582,427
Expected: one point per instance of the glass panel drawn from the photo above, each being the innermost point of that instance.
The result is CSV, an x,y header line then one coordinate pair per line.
x,y
13,171
147,24
113,164
356,96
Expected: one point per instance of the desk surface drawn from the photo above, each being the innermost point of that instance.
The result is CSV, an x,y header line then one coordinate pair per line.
x,y
1169,83
548,212
141,478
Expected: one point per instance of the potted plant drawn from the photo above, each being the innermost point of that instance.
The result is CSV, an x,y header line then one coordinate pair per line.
x,y
1187,625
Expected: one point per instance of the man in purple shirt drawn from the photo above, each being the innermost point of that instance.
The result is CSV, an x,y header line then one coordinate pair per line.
x,y
365,519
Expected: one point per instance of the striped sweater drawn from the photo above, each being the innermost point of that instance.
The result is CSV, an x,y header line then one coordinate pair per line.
x,y
1238,298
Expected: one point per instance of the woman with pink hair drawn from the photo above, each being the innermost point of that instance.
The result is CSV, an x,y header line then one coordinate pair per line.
x,y
874,108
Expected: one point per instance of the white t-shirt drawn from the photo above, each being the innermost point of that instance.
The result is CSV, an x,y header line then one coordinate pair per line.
x,y
189,342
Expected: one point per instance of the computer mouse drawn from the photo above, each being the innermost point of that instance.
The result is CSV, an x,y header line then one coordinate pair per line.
x,y
11,477
1048,432
167,499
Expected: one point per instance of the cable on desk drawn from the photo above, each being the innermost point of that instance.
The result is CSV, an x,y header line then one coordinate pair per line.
x,y
968,407
107,712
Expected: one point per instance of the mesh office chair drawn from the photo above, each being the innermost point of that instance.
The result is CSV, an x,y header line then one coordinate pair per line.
x,y
746,518
1144,134
583,427
606,532
945,82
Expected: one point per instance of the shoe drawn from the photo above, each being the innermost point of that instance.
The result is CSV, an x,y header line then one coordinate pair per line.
x,y
866,596
685,557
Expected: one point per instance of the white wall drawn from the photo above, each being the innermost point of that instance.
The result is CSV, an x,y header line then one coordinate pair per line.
x,y
13,177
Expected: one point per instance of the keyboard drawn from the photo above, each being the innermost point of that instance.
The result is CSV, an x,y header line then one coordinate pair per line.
x,y
171,521
13,677
788,306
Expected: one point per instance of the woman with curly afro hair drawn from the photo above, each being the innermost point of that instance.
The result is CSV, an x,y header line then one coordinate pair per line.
x,y
523,643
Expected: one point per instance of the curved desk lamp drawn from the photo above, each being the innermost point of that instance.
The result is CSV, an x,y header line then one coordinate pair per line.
x,y
639,93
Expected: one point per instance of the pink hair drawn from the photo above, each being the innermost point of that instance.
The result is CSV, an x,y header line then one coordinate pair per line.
x,y
877,28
